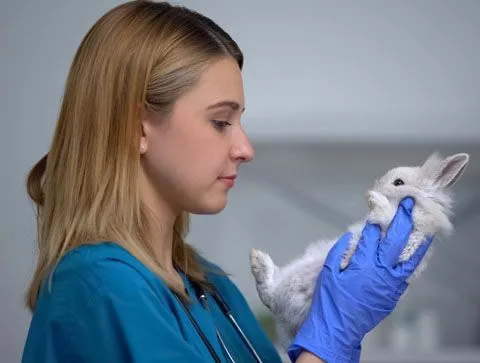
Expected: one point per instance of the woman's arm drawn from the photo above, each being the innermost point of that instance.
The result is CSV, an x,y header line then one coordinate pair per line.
x,y
307,357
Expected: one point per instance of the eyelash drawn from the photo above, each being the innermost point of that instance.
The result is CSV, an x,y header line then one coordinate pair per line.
x,y
221,125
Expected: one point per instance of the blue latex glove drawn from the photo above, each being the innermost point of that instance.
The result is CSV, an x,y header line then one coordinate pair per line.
x,y
348,304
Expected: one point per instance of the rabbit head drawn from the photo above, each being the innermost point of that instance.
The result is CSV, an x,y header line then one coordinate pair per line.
x,y
428,184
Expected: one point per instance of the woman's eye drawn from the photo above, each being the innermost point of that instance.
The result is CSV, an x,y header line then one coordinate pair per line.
x,y
398,182
220,125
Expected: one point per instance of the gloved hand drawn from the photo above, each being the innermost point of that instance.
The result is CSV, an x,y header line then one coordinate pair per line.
x,y
348,304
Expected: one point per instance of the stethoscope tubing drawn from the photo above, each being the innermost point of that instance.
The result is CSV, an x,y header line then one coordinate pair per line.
x,y
202,297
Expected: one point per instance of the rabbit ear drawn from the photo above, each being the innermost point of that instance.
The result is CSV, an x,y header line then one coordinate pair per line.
x,y
445,172
452,168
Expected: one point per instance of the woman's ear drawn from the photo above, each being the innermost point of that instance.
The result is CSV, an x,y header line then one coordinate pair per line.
x,y
144,131
143,146
143,138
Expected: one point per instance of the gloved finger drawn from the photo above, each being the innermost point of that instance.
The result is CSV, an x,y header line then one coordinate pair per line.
x,y
367,245
394,293
334,256
401,289
397,234
409,266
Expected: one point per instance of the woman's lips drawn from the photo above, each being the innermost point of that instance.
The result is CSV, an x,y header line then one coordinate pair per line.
x,y
228,180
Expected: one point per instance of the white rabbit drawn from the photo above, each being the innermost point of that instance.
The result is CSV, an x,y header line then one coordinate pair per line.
x,y
287,291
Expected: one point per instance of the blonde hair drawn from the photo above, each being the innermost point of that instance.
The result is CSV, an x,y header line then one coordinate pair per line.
x,y
140,54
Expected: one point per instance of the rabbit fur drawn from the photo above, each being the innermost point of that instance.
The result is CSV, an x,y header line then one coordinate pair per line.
x,y
287,291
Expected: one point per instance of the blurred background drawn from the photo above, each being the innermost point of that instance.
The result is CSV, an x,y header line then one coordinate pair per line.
x,y
337,93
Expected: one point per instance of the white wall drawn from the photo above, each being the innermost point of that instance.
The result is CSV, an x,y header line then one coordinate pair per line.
x,y
364,71
358,69
351,69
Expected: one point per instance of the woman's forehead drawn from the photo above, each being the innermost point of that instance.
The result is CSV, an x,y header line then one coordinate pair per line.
x,y
220,85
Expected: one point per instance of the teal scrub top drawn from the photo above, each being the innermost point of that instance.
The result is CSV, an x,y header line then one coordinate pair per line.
x,y
104,305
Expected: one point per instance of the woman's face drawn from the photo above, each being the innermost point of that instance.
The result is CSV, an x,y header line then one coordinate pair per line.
x,y
192,158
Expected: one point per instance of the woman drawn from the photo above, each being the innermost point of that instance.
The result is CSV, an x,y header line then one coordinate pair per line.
x,y
149,131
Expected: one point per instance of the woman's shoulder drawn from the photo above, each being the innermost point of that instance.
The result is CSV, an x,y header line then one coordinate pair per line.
x,y
88,256
96,271
107,269
104,257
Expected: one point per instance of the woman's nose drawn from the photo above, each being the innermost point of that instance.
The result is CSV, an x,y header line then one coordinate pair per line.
x,y
242,149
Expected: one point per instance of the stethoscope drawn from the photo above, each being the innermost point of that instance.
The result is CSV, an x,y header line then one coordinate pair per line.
x,y
202,297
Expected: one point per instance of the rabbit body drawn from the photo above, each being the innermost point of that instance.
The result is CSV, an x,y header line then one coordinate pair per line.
x,y
288,291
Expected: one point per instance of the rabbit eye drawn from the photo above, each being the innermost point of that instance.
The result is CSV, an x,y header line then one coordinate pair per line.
x,y
398,182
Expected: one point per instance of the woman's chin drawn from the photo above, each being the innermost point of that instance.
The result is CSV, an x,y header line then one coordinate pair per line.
x,y
212,205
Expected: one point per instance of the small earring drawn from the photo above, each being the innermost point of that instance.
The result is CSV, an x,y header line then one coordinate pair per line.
x,y
142,148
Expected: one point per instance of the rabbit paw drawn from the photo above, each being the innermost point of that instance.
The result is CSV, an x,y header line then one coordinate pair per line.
x,y
262,266
381,211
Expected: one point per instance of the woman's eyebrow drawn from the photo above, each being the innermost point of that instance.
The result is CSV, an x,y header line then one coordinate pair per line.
x,y
232,104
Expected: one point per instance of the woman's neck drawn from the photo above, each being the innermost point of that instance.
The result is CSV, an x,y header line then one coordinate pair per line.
x,y
163,218
163,246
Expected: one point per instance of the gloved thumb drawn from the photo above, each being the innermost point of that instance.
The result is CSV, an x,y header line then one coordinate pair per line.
x,y
334,256
367,245
397,235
